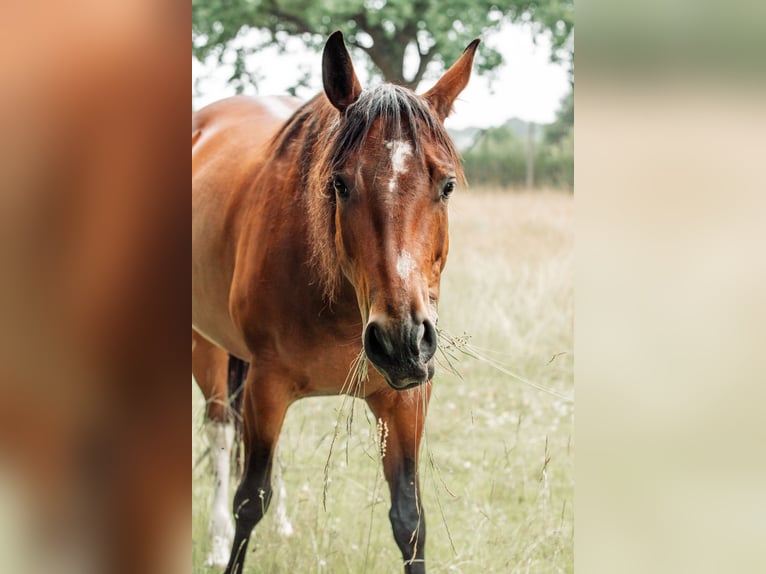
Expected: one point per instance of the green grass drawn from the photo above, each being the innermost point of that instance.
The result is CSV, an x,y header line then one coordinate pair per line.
x,y
497,470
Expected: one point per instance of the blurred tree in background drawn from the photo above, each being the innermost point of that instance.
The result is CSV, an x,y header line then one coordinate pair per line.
x,y
435,32
498,158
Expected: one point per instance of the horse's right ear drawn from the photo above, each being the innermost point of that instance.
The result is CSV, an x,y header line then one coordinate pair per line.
x,y
340,82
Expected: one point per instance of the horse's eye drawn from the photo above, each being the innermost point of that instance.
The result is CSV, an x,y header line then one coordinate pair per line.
x,y
448,188
340,188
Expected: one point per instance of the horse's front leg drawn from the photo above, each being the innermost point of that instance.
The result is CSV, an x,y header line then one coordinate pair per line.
x,y
401,417
265,401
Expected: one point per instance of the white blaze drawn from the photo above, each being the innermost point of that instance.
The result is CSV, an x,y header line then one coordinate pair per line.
x,y
400,151
405,264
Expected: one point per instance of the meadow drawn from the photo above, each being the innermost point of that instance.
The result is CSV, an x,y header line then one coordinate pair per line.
x,y
497,465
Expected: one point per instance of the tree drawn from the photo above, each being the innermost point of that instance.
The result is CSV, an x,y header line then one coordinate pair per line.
x,y
436,32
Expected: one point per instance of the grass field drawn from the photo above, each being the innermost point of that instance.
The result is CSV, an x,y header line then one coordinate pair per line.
x,y
497,470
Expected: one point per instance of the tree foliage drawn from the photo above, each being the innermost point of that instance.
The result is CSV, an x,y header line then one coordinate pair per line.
x,y
385,30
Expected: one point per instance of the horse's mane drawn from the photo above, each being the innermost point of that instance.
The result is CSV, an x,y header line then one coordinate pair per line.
x,y
319,140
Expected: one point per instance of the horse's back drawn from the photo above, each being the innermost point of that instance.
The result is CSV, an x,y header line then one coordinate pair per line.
x,y
246,112
228,142
228,135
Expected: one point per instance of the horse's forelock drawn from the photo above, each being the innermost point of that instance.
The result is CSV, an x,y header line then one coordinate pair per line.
x,y
404,115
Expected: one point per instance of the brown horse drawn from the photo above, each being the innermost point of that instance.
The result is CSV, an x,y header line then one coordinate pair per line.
x,y
317,240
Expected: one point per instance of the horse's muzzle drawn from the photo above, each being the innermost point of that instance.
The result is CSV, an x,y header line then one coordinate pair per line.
x,y
402,352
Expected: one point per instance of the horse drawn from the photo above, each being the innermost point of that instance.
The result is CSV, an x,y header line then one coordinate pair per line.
x,y
319,235
220,377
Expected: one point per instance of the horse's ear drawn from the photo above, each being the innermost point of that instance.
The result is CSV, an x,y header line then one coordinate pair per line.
x,y
340,82
448,88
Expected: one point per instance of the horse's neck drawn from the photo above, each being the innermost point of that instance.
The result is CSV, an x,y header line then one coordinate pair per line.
x,y
274,210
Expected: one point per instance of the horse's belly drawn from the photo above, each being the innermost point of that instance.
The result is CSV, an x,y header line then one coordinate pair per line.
x,y
227,341
210,306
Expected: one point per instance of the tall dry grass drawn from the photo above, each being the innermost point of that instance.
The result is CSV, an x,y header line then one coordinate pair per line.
x,y
498,458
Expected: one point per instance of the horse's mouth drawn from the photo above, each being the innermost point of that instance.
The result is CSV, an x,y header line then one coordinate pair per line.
x,y
402,379
402,350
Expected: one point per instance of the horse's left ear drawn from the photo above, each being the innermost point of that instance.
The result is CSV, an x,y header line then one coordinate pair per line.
x,y
340,82
448,88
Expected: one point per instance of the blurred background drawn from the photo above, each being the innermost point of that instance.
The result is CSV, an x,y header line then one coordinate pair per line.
x,y
94,219
670,287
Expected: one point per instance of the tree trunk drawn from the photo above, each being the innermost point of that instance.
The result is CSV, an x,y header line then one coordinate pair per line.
x,y
530,155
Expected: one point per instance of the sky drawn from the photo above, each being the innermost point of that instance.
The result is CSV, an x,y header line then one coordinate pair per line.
x,y
527,86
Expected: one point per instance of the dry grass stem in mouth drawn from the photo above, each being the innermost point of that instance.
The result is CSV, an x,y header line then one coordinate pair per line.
x,y
450,345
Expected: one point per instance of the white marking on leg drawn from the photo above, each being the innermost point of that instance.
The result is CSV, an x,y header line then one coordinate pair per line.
x,y
221,529
405,264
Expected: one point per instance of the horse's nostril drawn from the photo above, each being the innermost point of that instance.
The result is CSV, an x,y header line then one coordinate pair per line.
x,y
417,339
427,341
408,347
377,344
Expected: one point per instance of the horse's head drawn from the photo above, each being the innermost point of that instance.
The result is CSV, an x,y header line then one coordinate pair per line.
x,y
393,169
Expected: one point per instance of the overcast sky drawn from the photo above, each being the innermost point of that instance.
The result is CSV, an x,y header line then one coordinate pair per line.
x,y
526,86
